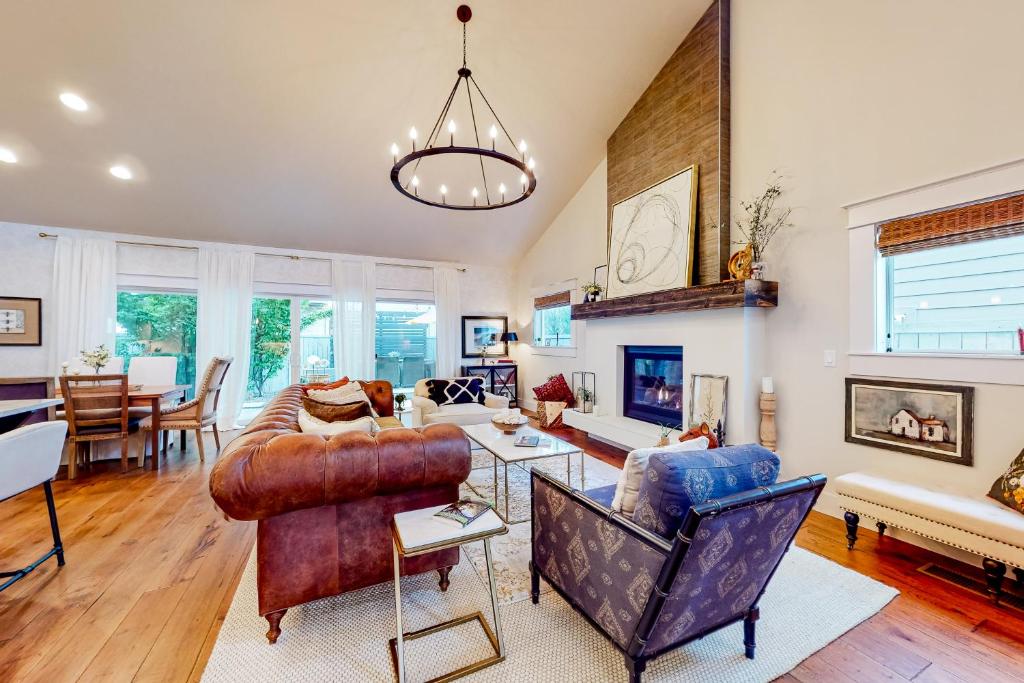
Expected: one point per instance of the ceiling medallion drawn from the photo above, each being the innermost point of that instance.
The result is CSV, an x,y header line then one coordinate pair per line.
x,y
476,200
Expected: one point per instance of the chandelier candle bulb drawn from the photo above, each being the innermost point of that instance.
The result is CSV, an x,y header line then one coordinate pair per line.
x,y
501,189
523,180
412,136
531,164
451,132
416,185
494,135
444,191
394,152
475,194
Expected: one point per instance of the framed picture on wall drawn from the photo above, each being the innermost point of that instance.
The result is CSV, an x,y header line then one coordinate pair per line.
x,y
21,321
481,336
931,420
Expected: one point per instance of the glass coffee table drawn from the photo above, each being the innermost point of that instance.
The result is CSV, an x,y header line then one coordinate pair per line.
x,y
502,446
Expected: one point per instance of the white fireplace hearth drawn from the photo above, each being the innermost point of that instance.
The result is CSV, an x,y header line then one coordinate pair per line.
x,y
715,342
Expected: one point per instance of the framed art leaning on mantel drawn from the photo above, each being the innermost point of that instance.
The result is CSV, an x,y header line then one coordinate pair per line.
x,y
650,239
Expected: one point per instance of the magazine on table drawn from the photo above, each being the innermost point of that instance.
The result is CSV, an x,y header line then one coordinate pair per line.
x,y
463,512
531,441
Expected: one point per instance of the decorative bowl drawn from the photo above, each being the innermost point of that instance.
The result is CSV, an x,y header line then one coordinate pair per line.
x,y
510,427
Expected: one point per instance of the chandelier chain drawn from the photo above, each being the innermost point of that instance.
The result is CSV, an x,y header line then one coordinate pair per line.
x,y
463,46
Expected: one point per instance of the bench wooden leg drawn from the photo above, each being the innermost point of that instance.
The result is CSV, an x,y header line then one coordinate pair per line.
x,y
881,528
1019,574
994,573
852,521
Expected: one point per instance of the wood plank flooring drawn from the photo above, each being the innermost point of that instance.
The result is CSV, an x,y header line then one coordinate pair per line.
x,y
152,567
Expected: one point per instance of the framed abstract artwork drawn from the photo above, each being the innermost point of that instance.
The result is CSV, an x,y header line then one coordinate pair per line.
x,y
931,420
650,240
481,336
21,321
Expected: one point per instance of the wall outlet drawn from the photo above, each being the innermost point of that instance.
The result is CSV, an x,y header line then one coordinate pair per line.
x,y
830,358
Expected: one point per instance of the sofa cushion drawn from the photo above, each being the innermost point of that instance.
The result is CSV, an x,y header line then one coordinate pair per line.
x,y
458,391
555,389
632,474
329,412
461,414
673,482
1009,488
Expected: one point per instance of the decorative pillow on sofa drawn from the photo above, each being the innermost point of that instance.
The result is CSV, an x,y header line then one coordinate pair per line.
x,y
673,482
1009,488
337,395
332,385
555,389
312,425
331,412
446,392
632,473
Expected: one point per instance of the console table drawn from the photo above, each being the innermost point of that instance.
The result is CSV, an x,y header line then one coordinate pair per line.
x,y
500,379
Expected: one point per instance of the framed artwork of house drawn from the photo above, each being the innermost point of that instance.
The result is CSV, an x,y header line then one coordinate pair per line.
x,y
21,321
931,420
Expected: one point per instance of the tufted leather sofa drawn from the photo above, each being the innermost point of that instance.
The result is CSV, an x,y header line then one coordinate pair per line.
x,y
324,504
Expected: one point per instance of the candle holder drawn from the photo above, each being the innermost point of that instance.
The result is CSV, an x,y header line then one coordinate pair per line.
x,y
767,433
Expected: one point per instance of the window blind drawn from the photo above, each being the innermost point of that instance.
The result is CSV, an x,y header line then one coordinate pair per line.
x,y
551,301
1003,217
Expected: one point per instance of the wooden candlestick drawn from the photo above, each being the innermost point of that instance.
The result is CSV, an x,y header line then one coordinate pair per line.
x,y
769,437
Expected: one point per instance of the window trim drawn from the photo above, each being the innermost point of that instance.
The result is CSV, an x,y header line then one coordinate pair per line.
x,y
867,319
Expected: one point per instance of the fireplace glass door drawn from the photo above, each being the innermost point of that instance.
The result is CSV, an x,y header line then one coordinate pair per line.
x,y
653,384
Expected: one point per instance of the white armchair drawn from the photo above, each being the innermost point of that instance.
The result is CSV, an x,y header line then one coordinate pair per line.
x,y
425,411
30,456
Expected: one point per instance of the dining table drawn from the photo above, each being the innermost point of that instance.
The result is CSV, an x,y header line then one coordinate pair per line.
x,y
153,396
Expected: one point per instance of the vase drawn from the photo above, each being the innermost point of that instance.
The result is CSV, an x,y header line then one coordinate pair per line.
x,y
757,270
663,441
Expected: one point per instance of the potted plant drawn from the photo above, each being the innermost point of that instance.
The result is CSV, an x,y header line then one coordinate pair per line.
x,y
665,433
97,358
400,400
592,292
762,223
585,397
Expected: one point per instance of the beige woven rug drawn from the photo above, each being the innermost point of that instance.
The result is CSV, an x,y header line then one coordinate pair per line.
x,y
810,602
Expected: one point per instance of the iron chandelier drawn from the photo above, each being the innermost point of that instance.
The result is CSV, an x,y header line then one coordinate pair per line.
x,y
435,147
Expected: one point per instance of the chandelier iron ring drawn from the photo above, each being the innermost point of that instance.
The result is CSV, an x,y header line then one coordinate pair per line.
x,y
412,157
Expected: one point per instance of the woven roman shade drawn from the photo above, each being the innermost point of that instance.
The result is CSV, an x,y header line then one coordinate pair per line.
x,y
1003,217
551,301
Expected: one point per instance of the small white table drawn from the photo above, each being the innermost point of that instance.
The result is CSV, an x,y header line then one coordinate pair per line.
x,y
418,532
502,446
26,405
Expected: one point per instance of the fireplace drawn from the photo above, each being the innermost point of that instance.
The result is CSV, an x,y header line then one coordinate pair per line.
x,y
652,384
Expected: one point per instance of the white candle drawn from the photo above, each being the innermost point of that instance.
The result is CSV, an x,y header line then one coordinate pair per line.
x,y
767,385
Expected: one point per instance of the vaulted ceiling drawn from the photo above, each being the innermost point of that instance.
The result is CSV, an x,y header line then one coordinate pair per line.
x,y
269,122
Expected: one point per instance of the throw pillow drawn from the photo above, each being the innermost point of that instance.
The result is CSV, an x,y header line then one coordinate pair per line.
x,y
555,389
332,385
549,413
1009,488
330,412
338,395
312,425
632,473
446,392
674,482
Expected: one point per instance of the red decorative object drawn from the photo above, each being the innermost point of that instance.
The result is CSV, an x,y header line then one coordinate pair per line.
x,y
701,430
555,389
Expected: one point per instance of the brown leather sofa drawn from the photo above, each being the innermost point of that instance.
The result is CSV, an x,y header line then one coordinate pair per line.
x,y
324,505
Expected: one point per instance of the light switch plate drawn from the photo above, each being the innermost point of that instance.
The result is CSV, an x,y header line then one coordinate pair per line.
x,y
830,358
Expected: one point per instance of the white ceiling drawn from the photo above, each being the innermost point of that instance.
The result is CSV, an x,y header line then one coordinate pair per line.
x,y
269,122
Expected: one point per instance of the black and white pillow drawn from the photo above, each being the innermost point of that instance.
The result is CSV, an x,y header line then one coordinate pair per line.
x,y
446,392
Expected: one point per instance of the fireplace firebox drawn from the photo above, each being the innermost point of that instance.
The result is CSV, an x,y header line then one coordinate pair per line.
x,y
652,384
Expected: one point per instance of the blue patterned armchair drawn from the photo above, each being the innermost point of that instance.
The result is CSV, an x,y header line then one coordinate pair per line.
x,y
648,594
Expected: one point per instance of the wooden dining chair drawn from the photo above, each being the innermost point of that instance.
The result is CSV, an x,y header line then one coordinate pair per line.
x,y
96,409
196,414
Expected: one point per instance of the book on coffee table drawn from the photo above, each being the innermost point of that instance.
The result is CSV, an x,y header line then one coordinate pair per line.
x,y
463,512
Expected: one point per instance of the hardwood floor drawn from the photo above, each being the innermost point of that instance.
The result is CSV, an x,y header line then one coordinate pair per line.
x,y
152,567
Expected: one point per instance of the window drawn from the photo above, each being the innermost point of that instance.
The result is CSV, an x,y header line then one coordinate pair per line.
x,y
405,339
964,298
158,324
552,326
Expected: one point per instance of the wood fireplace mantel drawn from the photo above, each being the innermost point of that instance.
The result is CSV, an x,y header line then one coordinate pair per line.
x,y
728,294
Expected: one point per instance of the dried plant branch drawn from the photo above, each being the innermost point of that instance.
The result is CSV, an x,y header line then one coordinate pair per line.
x,y
763,219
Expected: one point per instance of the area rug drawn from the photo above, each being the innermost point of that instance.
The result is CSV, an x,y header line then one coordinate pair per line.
x,y
810,602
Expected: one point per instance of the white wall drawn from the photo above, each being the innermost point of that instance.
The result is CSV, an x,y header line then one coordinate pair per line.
x,y
849,101
26,269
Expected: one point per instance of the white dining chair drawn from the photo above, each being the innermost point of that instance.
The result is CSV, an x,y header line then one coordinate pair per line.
x,y
160,370
30,456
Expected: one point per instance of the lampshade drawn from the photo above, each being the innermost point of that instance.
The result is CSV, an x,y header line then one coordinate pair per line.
x,y
509,337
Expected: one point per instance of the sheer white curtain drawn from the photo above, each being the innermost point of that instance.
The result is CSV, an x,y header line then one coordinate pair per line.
x,y
449,321
355,305
83,311
224,324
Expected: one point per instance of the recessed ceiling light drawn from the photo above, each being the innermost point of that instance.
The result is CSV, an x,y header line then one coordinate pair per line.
x,y
7,156
122,172
73,101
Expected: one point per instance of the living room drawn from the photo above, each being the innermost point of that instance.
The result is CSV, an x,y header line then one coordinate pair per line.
x,y
752,292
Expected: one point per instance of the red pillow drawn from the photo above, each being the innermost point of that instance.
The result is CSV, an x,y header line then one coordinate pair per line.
x,y
325,387
555,389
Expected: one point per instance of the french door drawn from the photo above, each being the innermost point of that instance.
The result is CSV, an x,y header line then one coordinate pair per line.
x,y
292,341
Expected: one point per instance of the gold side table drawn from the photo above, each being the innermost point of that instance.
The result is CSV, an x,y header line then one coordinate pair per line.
x,y
418,532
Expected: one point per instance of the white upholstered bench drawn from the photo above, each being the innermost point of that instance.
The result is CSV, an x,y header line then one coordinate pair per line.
x,y
978,525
